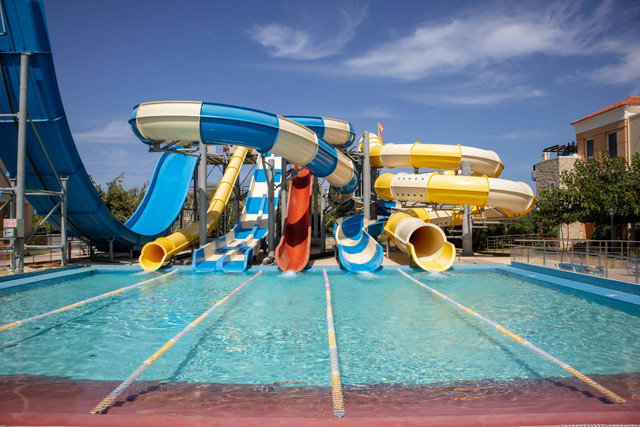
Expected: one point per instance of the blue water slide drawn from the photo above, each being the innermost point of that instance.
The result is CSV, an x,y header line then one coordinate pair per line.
x,y
235,250
88,217
319,124
212,123
358,251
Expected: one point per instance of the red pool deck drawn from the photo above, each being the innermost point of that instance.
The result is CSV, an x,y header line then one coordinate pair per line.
x,y
36,400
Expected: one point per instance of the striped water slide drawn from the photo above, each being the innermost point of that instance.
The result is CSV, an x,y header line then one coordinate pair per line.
x,y
358,251
185,122
314,147
235,250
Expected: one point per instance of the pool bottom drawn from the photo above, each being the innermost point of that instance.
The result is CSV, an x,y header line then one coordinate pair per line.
x,y
558,399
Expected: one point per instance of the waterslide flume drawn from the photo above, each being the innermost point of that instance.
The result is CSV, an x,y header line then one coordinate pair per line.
x,y
235,250
294,249
415,231
52,153
358,251
425,242
185,122
155,254
434,156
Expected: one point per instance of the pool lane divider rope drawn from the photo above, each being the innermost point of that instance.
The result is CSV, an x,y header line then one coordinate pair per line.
x,y
608,393
111,397
336,383
79,303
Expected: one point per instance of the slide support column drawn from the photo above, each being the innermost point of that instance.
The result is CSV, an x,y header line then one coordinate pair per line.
x,y
323,228
236,203
314,211
63,222
202,193
467,234
283,198
22,155
271,173
366,176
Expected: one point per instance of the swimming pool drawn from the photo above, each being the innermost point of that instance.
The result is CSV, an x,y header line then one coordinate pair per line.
x,y
389,330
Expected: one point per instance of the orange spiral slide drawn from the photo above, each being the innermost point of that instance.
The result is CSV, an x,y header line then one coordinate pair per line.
x,y
292,254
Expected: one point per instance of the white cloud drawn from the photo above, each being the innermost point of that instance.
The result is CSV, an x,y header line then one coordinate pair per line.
x,y
476,96
524,134
626,71
114,132
300,42
367,112
487,39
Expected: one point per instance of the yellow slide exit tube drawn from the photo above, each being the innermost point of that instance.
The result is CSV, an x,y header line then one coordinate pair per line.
x,y
161,250
425,243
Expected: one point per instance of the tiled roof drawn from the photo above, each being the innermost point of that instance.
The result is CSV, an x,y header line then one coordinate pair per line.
x,y
632,100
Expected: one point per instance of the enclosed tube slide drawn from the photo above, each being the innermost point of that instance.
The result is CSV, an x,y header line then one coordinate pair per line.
x,y
358,251
156,253
513,197
425,242
336,132
292,253
434,156
181,122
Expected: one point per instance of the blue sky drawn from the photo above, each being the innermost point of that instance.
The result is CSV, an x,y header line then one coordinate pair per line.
x,y
496,75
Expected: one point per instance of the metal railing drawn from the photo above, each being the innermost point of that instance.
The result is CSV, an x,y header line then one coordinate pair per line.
x,y
505,242
628,248
43,248
608,265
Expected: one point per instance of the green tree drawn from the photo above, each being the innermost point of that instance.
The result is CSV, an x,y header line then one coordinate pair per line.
x,y
120,201
46,228
589,190
554,208
602,183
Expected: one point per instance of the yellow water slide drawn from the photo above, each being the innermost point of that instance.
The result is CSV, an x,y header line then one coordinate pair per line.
x,y
425,242
434,156
161,250
417,231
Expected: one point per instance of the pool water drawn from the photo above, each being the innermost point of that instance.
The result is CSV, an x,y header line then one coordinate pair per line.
x,y
389,330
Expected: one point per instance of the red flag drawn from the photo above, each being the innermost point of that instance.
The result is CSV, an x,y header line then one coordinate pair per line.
x,y
380,127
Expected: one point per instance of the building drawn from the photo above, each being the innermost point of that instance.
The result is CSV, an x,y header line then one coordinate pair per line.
x,y
547,173
615,129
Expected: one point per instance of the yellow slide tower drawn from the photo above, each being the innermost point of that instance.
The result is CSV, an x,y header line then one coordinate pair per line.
x,y
161,250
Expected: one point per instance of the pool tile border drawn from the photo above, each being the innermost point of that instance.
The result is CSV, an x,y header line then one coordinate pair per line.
x,y
596,285
45,276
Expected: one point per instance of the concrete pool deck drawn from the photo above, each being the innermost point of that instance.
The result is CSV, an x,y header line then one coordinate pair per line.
x,y
60,401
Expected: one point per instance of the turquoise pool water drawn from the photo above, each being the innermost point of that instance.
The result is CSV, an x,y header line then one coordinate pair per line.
x,y
389,330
